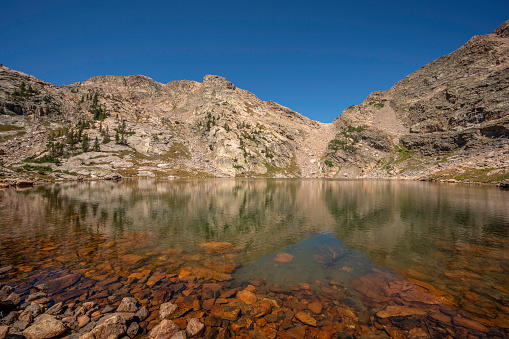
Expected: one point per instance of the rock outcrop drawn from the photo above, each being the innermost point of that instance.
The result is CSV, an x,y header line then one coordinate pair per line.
x,y
448,120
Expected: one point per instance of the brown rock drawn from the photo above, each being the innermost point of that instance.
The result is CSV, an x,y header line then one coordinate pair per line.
x,y
306,318
297,332
440,317
283,257
261,308
271,318
128,304
4,331
112,327
180,335
395,333
46,326
246,296
471,324
346,312
164,330
142,313
83,320
501,321
133,329
194,328
166,310
315,307
324,335
400,311
63,282
208,304
417,333
257,333
226,312
126,316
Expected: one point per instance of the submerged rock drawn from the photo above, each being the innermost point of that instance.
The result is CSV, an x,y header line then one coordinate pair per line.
x,y
219,247
283,257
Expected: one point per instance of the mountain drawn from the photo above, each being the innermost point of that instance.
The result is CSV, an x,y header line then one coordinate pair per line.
x,y
449,119
446,121
183,128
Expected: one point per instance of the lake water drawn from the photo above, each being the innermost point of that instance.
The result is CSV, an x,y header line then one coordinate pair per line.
x,y
450,240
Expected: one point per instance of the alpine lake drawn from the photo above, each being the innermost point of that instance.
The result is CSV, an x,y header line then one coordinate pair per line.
x,y
265,258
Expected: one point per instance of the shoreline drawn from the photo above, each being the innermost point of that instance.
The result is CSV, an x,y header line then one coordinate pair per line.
x,y
24,182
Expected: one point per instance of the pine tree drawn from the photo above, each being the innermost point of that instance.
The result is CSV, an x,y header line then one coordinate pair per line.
x,y
96,145
85,143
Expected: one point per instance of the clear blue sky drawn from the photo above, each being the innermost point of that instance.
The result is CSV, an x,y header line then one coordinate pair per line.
x,y
316,57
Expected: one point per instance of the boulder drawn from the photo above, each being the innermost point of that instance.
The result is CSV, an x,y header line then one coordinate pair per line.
x,y
47,326
164,330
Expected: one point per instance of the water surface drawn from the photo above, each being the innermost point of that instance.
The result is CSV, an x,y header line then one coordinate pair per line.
x,y
451,239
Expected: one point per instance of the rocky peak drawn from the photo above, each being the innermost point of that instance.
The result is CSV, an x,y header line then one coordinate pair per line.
x,y
217,82
503,30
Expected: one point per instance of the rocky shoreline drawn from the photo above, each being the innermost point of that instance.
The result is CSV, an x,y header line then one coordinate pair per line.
x,y
159,305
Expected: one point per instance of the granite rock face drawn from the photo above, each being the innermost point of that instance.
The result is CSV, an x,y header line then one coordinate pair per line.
x,y
450,117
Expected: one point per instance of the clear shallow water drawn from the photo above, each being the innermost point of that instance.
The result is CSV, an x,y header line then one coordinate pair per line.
x,y
453,240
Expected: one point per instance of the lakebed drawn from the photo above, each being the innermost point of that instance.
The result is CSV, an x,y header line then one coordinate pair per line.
x,y
260,257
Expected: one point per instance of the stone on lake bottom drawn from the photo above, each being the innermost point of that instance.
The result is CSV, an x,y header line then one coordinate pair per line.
x,y
219,247
164,330
297,332
471,324
246,296
400,311
47,326
315,307
306,318
227,312
283,257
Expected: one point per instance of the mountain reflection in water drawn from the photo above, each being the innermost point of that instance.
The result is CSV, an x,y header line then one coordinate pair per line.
x,y
450,240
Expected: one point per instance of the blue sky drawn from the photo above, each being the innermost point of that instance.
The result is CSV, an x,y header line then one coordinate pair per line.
x,y
316,57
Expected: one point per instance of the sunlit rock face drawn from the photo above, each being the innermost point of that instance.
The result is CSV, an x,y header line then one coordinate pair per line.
x,y
449,119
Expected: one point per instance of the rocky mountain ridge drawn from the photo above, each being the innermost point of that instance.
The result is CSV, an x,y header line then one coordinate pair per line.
x,y
448,121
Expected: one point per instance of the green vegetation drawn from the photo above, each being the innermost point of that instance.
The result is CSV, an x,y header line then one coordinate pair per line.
x,y
121,132
85,143
404,153
7,128
39,169
377,104
336,145
328,163
96,148
24,92
97,110
482,175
